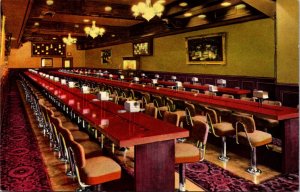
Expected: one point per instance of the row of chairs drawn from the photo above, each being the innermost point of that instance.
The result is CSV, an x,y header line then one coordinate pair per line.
x,y
238,125
83,157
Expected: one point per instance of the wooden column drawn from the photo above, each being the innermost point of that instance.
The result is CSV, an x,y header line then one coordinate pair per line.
x,y
290,146
155,166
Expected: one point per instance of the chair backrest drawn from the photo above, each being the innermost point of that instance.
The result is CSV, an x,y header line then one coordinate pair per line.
x,y
78,153
195,91
117,91
67,135
212,116
147,97
151,110
41,101
191,108
54,120
124,93
248,99
210,93
43,107
131,94
199,131
170,104
247,122
269,102
172,118
227,96
200,109
159,100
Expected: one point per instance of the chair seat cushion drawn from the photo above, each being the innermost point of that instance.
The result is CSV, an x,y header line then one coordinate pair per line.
x,y
199,118
80,136
70,126
47,104
91,149
57,113
180,113
63,118
100,170
163,108
52,108
257,138
224,129
186,153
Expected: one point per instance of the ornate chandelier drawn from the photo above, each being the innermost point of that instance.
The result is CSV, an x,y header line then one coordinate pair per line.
x,y
69,40
94,31
148,11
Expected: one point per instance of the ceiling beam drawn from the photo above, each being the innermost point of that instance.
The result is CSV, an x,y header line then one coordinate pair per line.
x,y
268,7
16,18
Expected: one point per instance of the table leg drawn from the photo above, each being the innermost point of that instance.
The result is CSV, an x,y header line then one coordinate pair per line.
x,y
290,146
155,166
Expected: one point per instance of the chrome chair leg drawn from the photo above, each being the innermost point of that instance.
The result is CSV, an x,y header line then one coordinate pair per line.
x,y
253,168
223,157
181,177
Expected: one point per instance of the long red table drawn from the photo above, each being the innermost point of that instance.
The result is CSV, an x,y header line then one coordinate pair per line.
x,y
238,93
152,139
289,117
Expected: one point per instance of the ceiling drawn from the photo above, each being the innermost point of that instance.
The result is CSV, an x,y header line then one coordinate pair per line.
x,y
34,20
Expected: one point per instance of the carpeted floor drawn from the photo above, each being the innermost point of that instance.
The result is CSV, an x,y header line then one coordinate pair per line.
x,y
213,178
22,167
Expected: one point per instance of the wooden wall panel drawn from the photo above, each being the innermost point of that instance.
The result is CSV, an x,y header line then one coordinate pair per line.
x,y
288,94
248,84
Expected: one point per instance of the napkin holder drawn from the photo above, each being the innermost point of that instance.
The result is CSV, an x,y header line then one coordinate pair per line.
x,y
132,106
103,96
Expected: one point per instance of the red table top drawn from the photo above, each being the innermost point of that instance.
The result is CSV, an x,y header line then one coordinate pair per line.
x,y
124,129
268,111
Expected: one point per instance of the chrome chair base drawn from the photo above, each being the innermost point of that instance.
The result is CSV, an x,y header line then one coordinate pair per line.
x,y
181,140
223,158
254,171
181,187
70,174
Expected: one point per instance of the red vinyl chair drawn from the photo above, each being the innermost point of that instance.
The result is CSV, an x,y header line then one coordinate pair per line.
x,y
92,171
188,152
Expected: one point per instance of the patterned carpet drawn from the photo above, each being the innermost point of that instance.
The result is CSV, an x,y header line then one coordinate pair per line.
x,y
213,178
22,167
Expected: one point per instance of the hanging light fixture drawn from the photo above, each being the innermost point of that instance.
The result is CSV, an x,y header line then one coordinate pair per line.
x,y
69,40
147,11
94,31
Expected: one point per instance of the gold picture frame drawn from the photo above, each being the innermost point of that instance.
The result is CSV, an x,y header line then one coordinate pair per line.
x,y
47,62
106,56
206,49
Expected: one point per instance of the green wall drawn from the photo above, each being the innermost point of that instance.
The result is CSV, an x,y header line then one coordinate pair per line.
x,y
93,56
287,41
249,51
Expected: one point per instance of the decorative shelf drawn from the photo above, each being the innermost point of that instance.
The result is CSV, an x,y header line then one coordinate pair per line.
x,y
48,49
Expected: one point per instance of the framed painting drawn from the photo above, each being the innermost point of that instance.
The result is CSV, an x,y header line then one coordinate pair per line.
x,y
206,49
106,56
46,62
142,48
